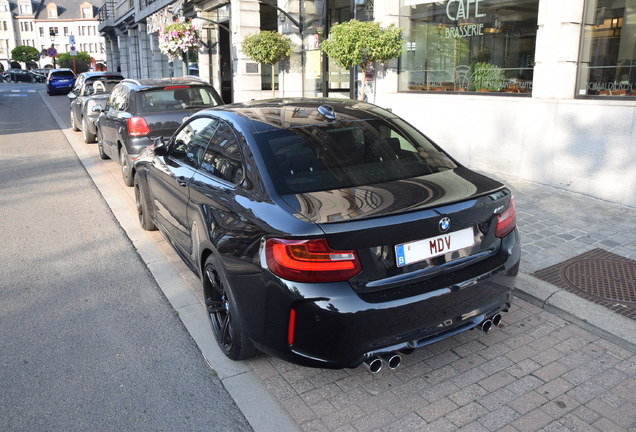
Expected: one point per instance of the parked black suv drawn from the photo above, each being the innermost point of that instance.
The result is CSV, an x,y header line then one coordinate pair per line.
x,y
138,110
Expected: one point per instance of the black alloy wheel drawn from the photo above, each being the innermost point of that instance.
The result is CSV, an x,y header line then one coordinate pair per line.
x,y
224,316
100,146
142,207
126,168
89,137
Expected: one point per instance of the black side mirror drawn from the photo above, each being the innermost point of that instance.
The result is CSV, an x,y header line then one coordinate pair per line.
x,y
159,146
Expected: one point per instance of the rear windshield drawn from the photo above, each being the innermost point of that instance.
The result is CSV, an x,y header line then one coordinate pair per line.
x,y
100,85
347,154
63,74
175,98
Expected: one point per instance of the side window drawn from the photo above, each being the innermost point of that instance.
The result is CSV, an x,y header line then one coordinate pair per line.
x,y
223,156
190,143
114,100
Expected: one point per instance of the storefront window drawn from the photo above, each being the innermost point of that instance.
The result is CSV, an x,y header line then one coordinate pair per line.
x,y
468,45
608,50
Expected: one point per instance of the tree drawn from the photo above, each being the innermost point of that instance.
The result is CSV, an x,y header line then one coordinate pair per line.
x,y
267,47
82,61
361,43
25,54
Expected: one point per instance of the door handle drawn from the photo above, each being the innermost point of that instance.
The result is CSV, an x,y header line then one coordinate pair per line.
x,y
183,182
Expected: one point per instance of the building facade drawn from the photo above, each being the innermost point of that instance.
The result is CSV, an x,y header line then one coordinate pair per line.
x,y
44,24
541,90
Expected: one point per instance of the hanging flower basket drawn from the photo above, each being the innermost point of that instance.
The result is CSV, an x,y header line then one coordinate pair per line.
x,y
177,38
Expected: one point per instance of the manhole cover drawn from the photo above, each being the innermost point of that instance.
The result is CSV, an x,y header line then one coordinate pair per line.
x,y
605,278
598,276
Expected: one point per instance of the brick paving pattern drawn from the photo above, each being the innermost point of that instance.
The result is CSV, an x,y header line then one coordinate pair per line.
x,y
536,372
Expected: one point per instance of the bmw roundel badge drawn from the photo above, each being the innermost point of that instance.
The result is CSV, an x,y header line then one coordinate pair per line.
x,y
444,224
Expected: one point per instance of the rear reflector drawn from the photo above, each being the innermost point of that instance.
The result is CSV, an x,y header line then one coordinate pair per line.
x,y
310,260
291,327
507,220
137,126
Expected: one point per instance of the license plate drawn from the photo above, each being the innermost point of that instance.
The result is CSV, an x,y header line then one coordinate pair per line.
x,y
420,250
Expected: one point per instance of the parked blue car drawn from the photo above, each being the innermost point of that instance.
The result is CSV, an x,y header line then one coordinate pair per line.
x,y
60,81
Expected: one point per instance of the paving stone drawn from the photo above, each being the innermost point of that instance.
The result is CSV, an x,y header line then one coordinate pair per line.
x,y
533,421
523,368
499,418
497,399
554,388
466,414
528,402
299,410
437,409
409,423
560,406
469,394
497,381
374,421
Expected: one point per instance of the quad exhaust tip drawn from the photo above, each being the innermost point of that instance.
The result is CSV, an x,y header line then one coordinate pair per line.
x,y
392,360
374,364
488,324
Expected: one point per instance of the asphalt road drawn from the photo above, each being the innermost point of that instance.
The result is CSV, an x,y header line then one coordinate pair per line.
x,y
87,339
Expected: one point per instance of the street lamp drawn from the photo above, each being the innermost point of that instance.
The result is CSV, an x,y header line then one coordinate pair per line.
x,y
52,35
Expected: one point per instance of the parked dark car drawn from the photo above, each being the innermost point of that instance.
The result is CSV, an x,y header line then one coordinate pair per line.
x,y
18,75
60,81
138,110
94,89
40,75
329,232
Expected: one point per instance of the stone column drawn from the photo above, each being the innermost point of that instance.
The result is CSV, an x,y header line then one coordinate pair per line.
x,y
557,49
245,21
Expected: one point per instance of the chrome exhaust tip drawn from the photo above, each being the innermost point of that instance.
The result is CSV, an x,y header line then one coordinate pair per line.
x,y
392,360
486,326
496,320
374,365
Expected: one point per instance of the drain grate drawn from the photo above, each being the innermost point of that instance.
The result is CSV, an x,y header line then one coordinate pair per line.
x,y
598,276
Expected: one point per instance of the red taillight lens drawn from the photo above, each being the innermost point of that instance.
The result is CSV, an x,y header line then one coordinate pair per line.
x,y
310,261
507,220
137,126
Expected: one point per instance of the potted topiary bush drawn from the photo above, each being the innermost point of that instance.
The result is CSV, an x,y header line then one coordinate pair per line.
x,y
267,47
362,43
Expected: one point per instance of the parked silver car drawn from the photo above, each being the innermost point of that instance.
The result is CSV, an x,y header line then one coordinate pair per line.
x,y
93,89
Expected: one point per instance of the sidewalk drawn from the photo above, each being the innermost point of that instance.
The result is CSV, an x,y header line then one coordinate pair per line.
x,y
557,225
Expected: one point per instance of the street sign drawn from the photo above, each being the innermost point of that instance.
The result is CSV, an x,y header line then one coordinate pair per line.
x,y
51,52
71,40
73,50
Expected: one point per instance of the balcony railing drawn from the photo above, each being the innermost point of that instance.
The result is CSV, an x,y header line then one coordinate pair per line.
x,y
107,11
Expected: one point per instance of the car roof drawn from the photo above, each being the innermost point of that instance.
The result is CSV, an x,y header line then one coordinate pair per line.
x,y
101,73
151,83
272,114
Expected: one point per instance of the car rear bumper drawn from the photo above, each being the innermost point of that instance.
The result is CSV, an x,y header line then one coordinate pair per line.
x,y
334,327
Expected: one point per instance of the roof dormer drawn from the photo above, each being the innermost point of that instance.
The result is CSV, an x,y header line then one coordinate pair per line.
x,y
24,7
51,10
86,10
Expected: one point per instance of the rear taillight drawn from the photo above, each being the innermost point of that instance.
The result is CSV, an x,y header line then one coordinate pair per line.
x,y
137,126
507,220
310,260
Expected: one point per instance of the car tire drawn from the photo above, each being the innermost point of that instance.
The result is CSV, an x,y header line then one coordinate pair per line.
x,y
225,318
100,147
89,137
126,166
141,202
73,123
